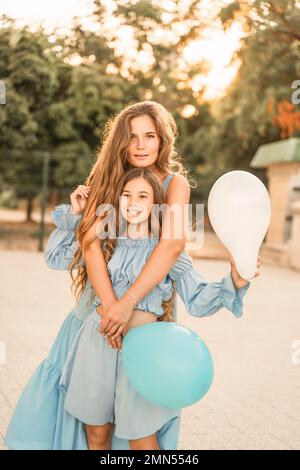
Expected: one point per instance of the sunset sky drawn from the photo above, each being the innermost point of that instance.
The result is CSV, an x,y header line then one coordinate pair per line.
x,y
215,47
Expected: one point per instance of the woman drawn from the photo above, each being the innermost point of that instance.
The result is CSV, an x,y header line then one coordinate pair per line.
x,y
143,136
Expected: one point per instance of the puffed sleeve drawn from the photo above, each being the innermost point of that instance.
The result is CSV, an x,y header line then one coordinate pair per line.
x,y
202,298
62,245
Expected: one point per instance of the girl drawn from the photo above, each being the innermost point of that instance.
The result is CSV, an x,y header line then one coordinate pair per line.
x,y
97,390
141,135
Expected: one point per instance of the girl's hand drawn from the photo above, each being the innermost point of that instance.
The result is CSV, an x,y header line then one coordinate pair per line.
x,y
237,279
78,198
116,317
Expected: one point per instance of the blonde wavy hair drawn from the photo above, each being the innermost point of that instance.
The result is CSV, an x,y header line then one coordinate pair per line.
x,y
111,164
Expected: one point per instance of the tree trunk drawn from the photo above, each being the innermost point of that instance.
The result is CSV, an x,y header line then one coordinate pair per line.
x,y
29,207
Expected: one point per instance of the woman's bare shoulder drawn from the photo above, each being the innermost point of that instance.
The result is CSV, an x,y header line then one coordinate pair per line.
x,y
179,182
179,188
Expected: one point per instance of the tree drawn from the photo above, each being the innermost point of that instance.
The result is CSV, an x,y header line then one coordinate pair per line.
x,y
52,108
27,66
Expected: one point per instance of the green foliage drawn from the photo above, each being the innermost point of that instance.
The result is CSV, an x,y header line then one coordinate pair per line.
x,y
56,107
269,57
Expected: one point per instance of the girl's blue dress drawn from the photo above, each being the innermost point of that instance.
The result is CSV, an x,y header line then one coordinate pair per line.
x,y
40,419
94,379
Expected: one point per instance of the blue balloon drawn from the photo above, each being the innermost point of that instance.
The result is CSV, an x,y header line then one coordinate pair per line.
x,y
167,364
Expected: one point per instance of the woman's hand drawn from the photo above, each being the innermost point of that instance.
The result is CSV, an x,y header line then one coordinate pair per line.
x,y
237,279
78,198
116,317
115,342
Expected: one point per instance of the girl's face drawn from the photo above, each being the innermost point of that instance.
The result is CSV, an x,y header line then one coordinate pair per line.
x,y
136,201
144,146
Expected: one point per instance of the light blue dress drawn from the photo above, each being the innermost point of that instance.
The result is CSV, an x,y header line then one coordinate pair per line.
x,y
94,380
40,419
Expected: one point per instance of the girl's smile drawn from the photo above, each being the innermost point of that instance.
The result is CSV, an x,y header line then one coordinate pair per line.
x,y
134,211
136,203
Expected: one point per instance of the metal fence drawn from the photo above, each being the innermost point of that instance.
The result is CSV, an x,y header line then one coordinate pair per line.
x,y
30,174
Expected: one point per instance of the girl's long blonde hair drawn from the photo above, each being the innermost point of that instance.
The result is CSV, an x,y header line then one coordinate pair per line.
x,y
111,164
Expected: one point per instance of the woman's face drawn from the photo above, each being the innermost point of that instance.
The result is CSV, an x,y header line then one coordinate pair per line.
x,y
144,146
136,201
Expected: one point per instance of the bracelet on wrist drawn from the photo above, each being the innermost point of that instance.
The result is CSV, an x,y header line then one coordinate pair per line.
x,y
133,296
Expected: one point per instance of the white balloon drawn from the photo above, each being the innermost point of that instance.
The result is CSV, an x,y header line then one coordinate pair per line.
x,y
239,209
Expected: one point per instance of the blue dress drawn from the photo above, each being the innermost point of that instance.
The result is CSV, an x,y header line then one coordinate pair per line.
x,y
40,420
94,379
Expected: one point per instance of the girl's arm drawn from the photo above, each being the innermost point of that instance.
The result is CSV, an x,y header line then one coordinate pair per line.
x,y
62,245
60,251
202,298
159,262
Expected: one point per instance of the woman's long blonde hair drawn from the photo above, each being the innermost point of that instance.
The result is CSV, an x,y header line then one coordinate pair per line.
x,y
111,164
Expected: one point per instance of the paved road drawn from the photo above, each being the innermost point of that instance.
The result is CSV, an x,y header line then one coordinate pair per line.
x,y
254,402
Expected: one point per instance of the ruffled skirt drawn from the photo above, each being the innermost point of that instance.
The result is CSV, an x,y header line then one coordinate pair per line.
x,y
40,420
98,391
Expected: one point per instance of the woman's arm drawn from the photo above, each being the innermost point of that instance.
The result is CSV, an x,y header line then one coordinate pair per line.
x,y
160,261
172,241
62,246
100,280
97,268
